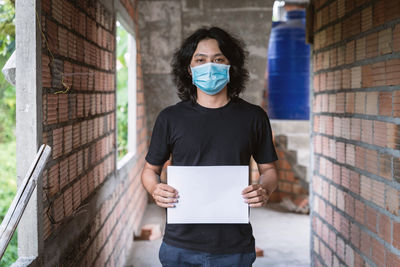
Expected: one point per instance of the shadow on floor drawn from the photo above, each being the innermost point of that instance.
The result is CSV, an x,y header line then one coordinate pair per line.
x,y
284,237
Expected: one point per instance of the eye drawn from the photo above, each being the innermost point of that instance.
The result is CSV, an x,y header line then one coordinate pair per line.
x,y
199,60
219,60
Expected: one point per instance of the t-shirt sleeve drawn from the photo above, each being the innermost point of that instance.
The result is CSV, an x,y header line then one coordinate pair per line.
x,y
159,149
264,149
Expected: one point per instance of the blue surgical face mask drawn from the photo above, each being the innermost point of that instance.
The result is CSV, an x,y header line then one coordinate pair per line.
x,y
211,78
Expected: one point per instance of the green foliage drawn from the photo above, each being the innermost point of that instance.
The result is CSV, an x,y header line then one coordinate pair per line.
x,y
8,177
122,91
8,189
7,27
7,91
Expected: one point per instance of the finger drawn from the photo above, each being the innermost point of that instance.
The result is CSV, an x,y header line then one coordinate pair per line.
x,y
168,188
257,192
256,205
250,188
255,199
165,200
164,193
164,205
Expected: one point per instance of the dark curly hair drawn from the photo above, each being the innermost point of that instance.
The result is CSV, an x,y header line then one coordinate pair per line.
x,y
232,48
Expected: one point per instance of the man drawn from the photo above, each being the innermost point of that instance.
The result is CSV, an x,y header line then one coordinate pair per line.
x,y
211,126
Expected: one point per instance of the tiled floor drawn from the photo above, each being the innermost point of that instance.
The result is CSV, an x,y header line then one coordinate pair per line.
x,y
283,236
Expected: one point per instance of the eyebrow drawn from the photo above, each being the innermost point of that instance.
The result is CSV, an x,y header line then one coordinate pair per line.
x,y
204,55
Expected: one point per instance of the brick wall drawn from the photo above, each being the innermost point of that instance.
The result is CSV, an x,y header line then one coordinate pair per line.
x,y
356,178
288,184
81,183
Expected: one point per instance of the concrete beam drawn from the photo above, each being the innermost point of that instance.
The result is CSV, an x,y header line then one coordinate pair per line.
x,y
29,120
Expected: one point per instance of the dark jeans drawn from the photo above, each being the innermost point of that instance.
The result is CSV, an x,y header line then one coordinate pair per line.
x,y
171,256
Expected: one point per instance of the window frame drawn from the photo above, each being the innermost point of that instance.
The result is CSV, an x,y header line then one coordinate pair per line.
x,y
126,21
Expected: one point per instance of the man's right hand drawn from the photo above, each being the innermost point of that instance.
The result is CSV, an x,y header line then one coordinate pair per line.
x,y
164,195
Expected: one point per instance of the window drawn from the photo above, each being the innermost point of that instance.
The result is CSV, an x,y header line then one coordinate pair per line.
x,y
126,91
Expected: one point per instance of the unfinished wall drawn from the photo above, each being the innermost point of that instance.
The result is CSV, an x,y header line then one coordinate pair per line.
x,y
356,97
164,25
93,208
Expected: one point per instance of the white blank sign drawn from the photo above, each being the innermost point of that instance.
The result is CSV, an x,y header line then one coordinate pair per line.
x,y
209,194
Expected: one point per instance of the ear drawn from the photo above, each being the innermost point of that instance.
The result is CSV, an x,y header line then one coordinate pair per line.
x,y
189,70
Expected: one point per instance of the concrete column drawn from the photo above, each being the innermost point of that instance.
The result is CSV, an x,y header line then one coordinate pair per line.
x,y
29,120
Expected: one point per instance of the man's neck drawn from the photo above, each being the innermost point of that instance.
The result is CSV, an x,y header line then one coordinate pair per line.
x,y
212,101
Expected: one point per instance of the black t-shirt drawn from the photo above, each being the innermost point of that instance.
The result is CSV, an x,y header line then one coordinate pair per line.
x,y
200,136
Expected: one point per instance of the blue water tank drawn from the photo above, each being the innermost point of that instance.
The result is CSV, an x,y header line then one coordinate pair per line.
x,y
289,69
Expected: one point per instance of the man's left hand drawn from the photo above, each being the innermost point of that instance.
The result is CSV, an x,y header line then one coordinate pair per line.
x,y
255,195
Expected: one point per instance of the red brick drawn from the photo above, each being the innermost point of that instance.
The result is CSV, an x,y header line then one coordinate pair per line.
x,y
360,48
366,18
62,107
396,234
72,162
371,161
396,169
367,76
366,244
84,132
53,181
340,152
360,157
360,102
67,139
52,108
372,103
392,200
392,259
351,25
385,103
378,74
349,204
385,168
76,133
68,206
392,69
378,252
64,179
358,260
340,247
350,52
385,41
350,154
47,226
355,129
396,104
340,55
392,10
366,187
366,131
379,13
58,209
355,234
380,133
354,182
384,228
396,38
46,74
84,188
76,194
344,227
57,142
372,45
371,218
57,10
